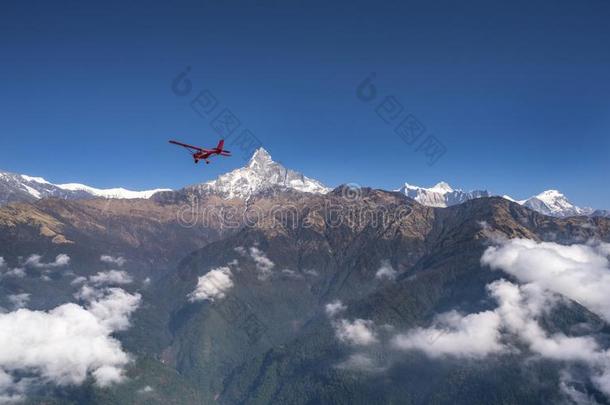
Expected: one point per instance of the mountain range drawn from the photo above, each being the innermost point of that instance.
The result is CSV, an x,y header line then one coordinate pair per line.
x,y
549,202
292,293
261,174
20,188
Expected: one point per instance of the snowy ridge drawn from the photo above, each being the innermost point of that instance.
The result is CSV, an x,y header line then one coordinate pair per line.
x,y
111,192
549,202
440,195
20,187
261,173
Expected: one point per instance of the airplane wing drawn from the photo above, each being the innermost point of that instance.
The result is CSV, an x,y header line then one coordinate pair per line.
x,y
186,145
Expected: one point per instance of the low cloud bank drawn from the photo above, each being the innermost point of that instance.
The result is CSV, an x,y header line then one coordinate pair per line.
x,y
549,273
65,345
580,272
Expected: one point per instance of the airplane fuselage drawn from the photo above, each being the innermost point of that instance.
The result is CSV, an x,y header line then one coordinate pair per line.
x,y
204,155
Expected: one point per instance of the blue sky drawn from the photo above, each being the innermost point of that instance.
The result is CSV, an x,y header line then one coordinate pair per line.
x,y
518,93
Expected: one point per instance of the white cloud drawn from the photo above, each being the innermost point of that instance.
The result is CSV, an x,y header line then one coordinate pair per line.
x,y
515,319
212,285
146,390
264,265
78,280
11,391
66,344
19,300
581,272
335,307
473,335
119,261
566,386
360,362
479,334
111,277
386,271
113,307
521,306
359,332
15,272
35,261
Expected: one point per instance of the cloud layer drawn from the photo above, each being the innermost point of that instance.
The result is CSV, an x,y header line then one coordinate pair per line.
x,y
66,344
581,272
549,272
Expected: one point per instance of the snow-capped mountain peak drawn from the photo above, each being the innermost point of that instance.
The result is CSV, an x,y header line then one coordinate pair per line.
x,y
550,202
443,188
260,160
440,195
261,173
551,196
553,202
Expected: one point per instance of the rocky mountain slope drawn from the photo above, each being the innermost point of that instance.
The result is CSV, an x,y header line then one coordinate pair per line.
x,y
264,286
270,335
294,297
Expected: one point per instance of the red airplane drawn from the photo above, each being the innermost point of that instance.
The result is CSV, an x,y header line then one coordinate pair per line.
x,y
201,153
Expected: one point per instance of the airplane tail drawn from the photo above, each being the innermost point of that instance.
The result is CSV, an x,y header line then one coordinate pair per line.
x,y
221,144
